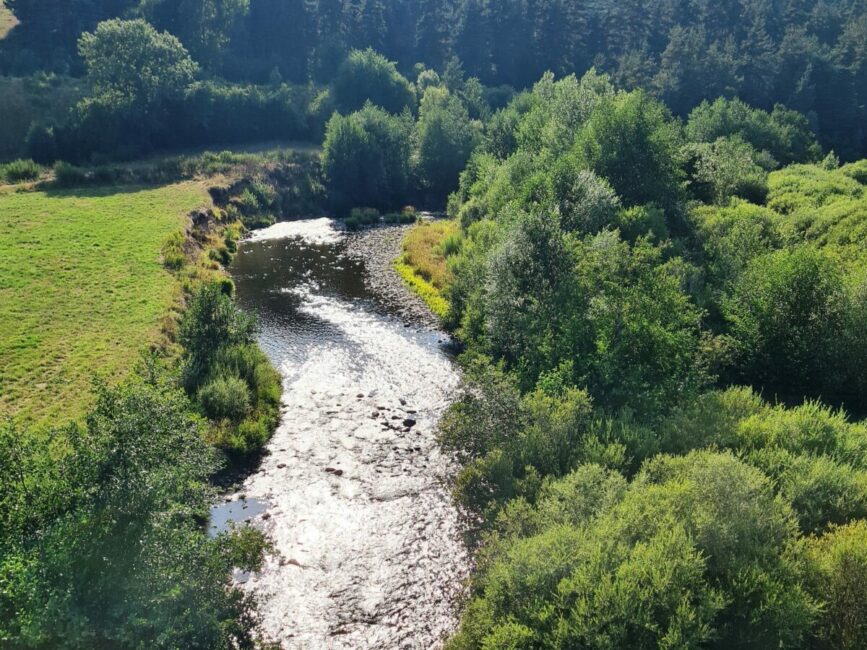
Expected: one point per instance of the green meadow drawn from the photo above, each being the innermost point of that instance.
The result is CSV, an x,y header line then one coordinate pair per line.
x,y
83,290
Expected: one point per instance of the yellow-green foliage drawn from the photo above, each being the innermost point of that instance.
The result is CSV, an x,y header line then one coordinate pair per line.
x,y
83,289
423,251
423,264
822,206
424,289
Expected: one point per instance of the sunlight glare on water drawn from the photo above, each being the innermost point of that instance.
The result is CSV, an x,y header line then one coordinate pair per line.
x,y
369,552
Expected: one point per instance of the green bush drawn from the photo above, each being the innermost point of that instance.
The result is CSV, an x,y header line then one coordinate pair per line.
x,y
365,216
211,322
225,398
366,159
694,549
66,175
111,530
18,171
837,577
368,76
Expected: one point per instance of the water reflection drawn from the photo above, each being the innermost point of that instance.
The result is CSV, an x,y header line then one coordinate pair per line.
x,y
232,513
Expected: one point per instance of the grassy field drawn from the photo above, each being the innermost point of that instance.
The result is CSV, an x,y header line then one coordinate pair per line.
x,y
423,263
7,20
82,289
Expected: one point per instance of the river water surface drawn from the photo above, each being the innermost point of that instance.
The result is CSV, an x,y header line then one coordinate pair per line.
x,y
352,492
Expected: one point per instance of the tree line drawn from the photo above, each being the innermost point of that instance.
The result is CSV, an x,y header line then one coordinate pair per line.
x,y
808,56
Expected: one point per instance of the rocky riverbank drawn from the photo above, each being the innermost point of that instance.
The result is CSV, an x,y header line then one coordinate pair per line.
x,y
378,248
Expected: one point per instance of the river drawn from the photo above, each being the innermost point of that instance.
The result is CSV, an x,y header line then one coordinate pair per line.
x,y
352,490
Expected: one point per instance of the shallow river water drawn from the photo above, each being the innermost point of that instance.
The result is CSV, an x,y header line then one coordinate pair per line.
x,y
352,491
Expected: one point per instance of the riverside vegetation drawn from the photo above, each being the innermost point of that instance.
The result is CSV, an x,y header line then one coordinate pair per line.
x,y
662,329
103,534
654,268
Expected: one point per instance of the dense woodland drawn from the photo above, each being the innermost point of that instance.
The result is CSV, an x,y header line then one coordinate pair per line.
x,y
809,56
658,281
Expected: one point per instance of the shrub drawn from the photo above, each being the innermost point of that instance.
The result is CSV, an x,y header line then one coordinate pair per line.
x,y
20,170
366,159
856,170
225,398
211,322
786,314
66,175
364,216
41,144
837,576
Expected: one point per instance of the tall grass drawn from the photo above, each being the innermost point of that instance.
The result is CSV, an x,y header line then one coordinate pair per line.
x,y
19,171
424,265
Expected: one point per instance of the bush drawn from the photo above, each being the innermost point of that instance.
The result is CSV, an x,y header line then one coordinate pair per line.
x,y
695,549
837,576
365,216
786,313
225,398
783,133
18,171
120,532
66,175
174,256
41,144
211,323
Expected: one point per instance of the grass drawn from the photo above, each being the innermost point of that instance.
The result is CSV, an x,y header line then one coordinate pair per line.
x,y
7,20
423,265
83,289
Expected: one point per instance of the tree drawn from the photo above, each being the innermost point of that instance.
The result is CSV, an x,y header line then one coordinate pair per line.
x,y
211,322
786,313
433,38
693,553
837,577
727,168
783,134
366,159
369,76
282,34
131,65
104,540
632,142
204,26
445,138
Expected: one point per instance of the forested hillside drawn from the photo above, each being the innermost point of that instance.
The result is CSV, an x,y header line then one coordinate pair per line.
x,y
809,56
